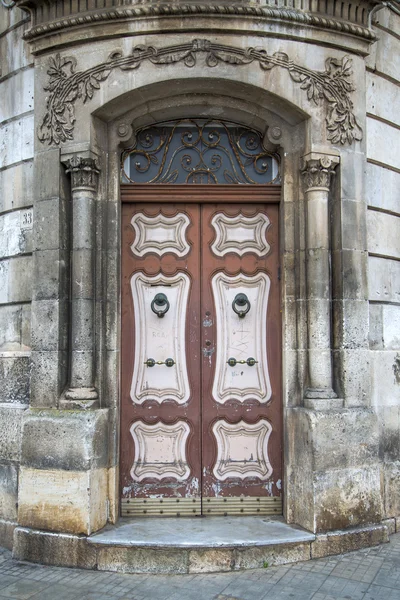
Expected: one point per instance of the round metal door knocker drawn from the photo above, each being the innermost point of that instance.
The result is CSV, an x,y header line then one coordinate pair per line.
x,y
160,305
241,305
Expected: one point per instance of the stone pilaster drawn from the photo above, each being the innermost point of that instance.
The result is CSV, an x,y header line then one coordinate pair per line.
x,y
84,179
318,171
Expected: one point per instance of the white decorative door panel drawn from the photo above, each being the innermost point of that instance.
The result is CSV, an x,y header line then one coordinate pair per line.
x,y
242,450
160,451
159,339
240,234
160,234
241,339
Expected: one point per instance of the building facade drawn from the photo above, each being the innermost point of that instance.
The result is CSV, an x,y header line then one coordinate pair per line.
x,y
294,250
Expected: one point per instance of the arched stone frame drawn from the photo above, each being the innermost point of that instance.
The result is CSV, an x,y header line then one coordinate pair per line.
x,y
104,127
285,133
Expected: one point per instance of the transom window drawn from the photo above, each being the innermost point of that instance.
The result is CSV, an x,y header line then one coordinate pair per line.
x,y
199,151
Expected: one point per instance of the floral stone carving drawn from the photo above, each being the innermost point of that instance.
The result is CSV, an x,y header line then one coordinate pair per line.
x,y
66,85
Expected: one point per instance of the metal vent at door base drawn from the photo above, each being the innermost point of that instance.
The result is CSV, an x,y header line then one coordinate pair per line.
x,y
160,507
191,507
242,505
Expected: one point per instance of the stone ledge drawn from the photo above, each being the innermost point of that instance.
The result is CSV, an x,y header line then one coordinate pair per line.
x,y
338,542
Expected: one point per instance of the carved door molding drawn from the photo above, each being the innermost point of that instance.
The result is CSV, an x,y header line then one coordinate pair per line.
x,y
201,412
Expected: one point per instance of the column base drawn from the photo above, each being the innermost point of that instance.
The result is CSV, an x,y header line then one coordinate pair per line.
x,y
323,403
319,393
81,398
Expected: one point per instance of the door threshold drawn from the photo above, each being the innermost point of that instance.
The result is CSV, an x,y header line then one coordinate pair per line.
x,y
197,532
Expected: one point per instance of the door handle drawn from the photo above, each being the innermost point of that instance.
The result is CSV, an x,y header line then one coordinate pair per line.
x,y
232,362
168,362
241,305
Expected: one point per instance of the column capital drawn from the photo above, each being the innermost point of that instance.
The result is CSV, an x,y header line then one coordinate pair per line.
x,y
84,172
317,170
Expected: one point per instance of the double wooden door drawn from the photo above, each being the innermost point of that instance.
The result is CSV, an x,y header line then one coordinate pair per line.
x,y
201,417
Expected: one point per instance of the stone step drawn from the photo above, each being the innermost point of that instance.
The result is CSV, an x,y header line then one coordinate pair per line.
x,y
199,545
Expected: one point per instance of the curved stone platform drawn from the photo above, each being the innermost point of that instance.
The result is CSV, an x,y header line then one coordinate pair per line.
x,y
199,545
193,545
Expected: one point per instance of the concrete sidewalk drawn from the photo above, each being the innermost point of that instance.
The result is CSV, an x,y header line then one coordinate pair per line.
x,y
372,574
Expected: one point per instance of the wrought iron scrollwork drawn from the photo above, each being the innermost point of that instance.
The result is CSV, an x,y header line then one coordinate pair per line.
x,y
199,151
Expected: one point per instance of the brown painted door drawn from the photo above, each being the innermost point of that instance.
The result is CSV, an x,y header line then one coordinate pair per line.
x,y
201,407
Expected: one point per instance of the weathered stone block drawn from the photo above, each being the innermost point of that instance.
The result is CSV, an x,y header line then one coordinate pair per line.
x,y
386,58
17,94
382,186
377,88
15,371
391,488
352,193
211,560
350,323
142,560
385,383
53,548
384,275
343,438
352,373
66,501
65,439
50,232
350,274
347,541
47,160
8,492
54,336
10,432
14,322
16,279
345,498
16,189
13,54
383,236
49,373
389,424
390,524
257,557
354,224
15,233
16,140
50,274
7,529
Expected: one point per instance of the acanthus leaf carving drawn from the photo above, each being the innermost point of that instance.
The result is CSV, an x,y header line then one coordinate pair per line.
x,y
66,85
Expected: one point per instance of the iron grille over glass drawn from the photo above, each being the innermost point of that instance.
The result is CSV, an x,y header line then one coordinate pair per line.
x,y
199,151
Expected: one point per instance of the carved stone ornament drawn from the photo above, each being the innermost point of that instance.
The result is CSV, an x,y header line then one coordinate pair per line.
x,y
84,172
318,173
66,85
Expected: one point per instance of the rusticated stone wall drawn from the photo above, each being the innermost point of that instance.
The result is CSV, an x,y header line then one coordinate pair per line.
x,y
16,219
383,220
